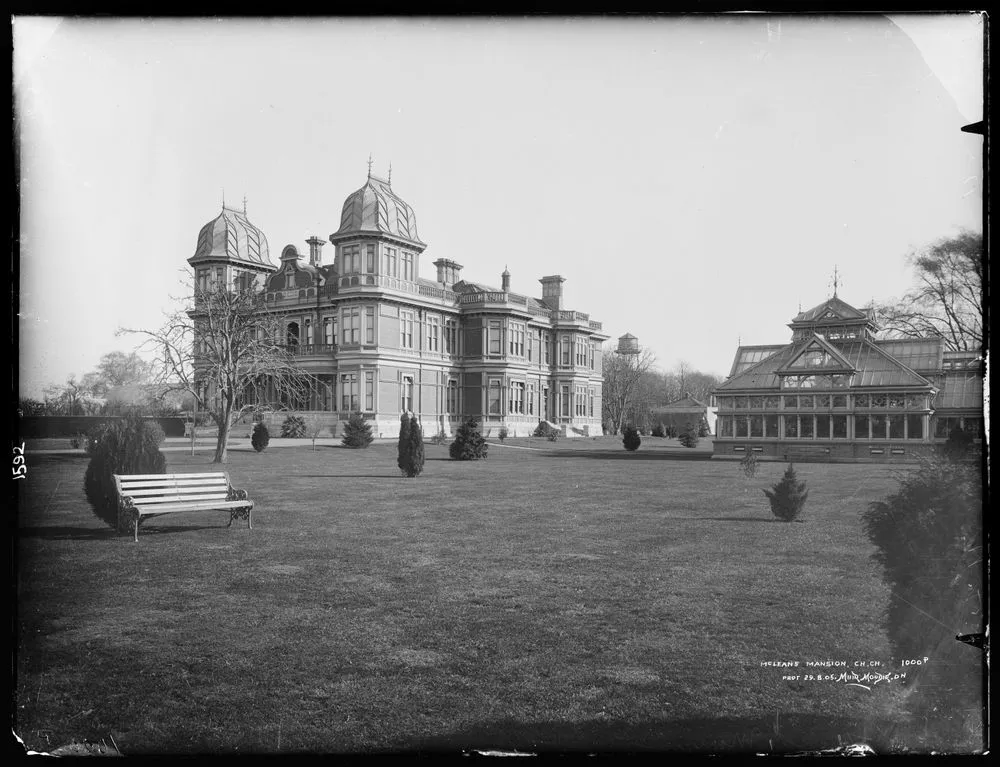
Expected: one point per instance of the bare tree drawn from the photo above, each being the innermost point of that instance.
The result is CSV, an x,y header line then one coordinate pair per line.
x,y
947,299
71,398
622,376
223,348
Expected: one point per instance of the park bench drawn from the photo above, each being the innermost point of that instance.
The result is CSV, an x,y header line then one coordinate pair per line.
x,y
806,452
149,495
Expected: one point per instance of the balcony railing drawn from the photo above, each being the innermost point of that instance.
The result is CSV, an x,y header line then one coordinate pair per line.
x,y
301,350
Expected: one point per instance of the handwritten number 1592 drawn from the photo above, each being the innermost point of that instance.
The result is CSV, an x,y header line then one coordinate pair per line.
x,y
19,469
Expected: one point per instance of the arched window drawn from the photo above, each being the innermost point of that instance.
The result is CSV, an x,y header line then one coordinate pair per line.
x,y
292,334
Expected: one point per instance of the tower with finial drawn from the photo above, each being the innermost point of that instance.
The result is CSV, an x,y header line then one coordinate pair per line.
x,y
836,280
244,205
369,165
390,174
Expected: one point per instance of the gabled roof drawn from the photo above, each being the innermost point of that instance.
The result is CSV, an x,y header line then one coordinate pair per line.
x,y
688,403
834,361
833,310
748,356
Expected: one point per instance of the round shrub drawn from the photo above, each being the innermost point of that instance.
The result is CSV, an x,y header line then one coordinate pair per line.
x,y
357,432
631,438
659,431
127,446
502,434
688,436
259,437
293,427
788,496
469,444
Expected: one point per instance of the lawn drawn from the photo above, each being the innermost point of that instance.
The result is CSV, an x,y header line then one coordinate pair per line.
x,y
556,598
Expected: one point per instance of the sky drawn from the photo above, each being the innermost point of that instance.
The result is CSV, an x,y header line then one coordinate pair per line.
x,y
696,180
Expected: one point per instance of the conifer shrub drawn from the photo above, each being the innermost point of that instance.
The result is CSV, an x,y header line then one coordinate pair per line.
x,y
928,537
788,497
749,464
630,438
403,446
293,427
688,436
259,437
703,430
502,434
469,444
130,445
412,458
357,432
659,431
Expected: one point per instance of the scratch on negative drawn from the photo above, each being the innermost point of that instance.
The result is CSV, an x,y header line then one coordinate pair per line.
x,y
855,684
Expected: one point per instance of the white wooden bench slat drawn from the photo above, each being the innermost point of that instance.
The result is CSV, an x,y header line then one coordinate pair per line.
x,y
175,483
151,495
163,477
175,490
178,498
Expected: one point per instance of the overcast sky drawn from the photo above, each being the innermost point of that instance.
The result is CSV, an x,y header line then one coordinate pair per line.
x,y
695,180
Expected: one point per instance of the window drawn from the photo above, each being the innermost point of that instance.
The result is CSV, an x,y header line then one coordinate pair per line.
x,y
915,402
805,401
451,336
806,430
790,402
391,263
350,256
592,354
407,259
369,324
203,280
564,391
756,403
879,423
543,403
823,401
823,427
495,344
370,259
580,402
839,400
725,426
351,323
591,395
756,426
897,426
327,331
770,426
309,332
839,426
741,426
433,333
861,424
406,329
289,279
292,334
452,397
914,427
548,345
349,392
406,394
370,391
897,401
516,403
532,393
565,351
581,353
516,339
791,426
861,400
493,404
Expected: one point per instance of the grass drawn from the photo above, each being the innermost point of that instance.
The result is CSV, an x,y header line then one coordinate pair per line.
x,y
554,599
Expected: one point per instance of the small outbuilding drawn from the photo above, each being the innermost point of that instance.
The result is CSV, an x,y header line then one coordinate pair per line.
x,y
676,415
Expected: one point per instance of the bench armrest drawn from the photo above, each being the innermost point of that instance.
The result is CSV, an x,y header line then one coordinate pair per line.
x,y
236,494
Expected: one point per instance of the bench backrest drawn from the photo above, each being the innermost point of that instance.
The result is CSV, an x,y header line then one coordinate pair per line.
x,y
173,488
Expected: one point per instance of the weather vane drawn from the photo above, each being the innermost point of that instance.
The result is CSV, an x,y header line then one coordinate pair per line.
x,y
223,197
836,280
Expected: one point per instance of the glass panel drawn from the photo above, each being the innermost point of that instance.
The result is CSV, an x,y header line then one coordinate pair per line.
x,y
897,401
861,400
914,427
823,426
806,426
840,427
896,426
823,382
790,402
791,426
756,403
725,403
878,426
840,400
805,402
740,403
772,402
741,426
823,400
878,400
914,401
943,426
756,426
770,426
861,427
725,426
840,381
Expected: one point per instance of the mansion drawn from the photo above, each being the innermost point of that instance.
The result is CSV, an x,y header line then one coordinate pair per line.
x,y
382,340
835,393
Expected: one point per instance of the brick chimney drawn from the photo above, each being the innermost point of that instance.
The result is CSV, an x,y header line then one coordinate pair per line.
x,y
315,250
552,292
447,271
